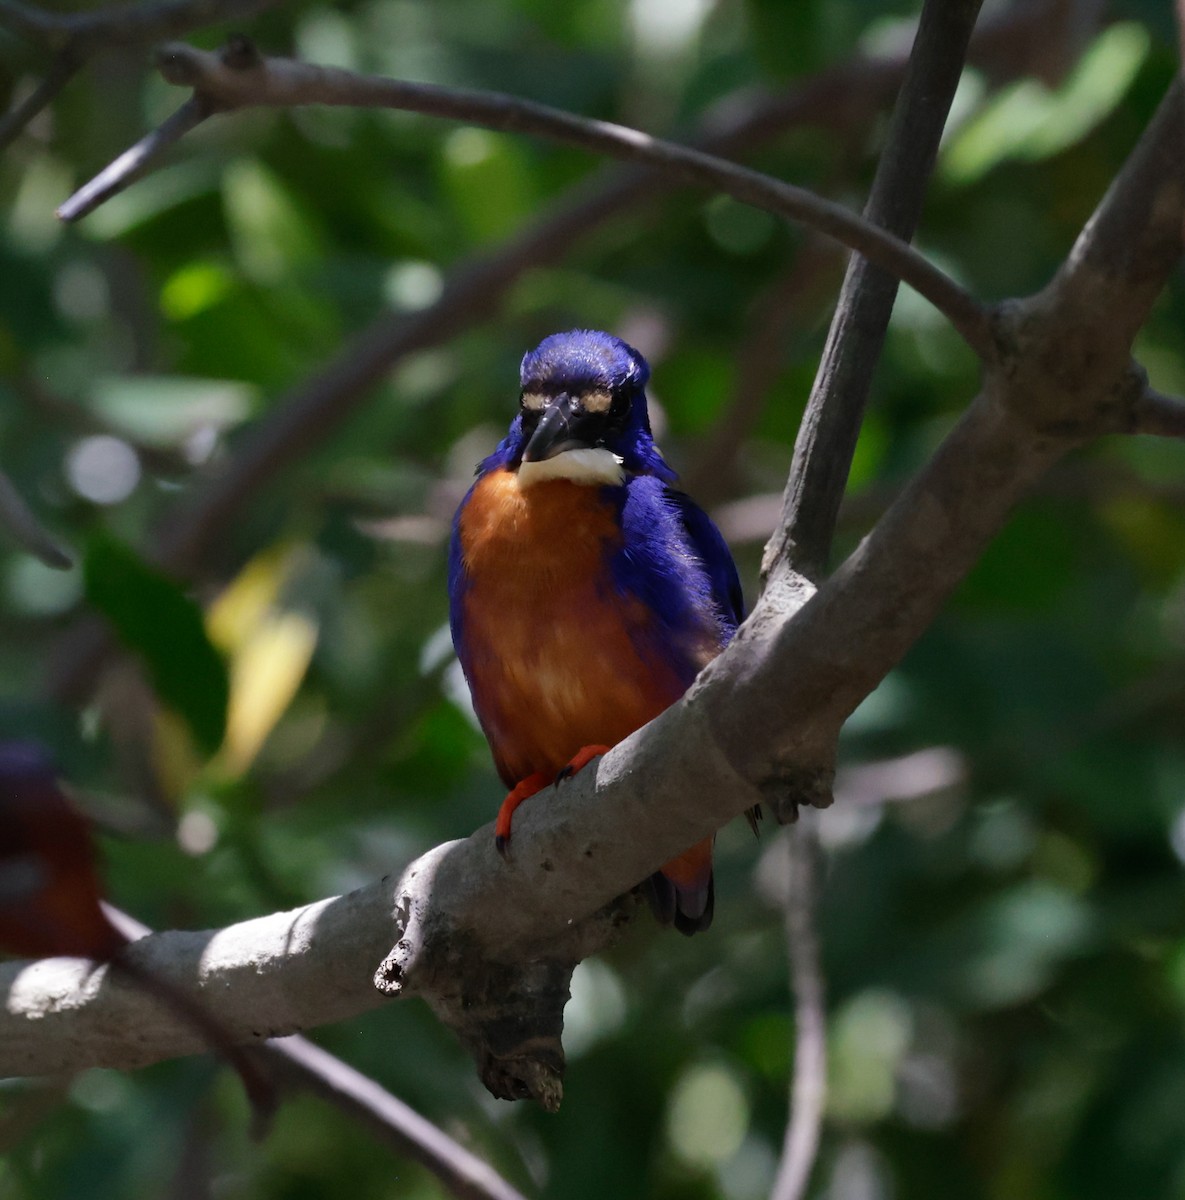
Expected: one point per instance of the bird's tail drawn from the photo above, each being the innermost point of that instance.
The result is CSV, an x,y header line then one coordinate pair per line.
x,y
682,893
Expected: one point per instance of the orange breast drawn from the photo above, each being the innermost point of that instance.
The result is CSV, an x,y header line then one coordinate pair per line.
x,y
554,653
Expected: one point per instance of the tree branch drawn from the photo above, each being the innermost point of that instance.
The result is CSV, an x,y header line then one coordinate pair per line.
x,y
17,519
831,425
76,37
135,161
65,66
125,25
238,78
389,1119
306,1065
1159,414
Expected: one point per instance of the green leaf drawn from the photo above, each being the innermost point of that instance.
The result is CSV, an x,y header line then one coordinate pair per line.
x,y
1027,121
154,618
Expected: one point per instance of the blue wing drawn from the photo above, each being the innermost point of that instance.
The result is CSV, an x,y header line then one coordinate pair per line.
x,y
712,550
673,559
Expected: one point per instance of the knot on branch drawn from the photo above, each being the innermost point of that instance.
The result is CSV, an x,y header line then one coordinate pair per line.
x,y
506,1002
508,1015
786,791
1064,376
240,53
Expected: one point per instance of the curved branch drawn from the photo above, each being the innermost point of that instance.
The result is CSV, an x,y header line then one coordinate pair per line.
x,y
134,162
390,1120
1161,415
123,25
239,78
17,519
65,66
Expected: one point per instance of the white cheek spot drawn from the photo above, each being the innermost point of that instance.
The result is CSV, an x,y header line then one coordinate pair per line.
x,y
597,401
534,401
593,467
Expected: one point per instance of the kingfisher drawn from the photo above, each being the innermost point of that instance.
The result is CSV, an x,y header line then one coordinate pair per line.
x,y
50,895
586,591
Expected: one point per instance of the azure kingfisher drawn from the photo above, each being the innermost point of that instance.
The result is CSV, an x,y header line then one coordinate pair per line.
x,y
50,896
586,592
51,901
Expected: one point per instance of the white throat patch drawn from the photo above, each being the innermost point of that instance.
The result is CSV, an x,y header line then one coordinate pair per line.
x,y
592,467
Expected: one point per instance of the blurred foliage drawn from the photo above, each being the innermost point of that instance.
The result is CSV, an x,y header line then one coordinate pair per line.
x,y
1005,948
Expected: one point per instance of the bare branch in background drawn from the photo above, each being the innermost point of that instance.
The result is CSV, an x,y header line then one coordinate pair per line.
x,y
75,37
827,437
65,66
759,360
122,25
306,1065
389,1119
1159,414
18,521
808,1088
135,161
239,78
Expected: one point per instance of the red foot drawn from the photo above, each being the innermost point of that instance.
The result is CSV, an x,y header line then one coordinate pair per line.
x,y
583,757
525,788
521,791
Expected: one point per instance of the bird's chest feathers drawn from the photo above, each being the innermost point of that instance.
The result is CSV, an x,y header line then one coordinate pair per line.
x,y
553,645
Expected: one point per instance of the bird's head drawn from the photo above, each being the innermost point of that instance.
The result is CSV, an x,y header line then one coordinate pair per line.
x,y
582,413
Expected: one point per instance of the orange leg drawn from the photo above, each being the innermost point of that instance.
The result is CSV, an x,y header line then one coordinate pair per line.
x,y
521,791
525,788
583,757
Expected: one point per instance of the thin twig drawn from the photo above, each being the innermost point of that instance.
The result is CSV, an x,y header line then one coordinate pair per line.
x,y
809,1088
122,25
827,436
464,1174
18,520
238,78
65,66
134,162
389,1119
759,360
1159,414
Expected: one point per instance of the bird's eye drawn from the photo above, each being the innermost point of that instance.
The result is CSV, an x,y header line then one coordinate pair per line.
x,y
597,401
534,401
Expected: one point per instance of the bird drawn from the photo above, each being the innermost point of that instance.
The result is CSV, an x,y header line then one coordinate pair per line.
x,y
586,591
50,894
51,903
